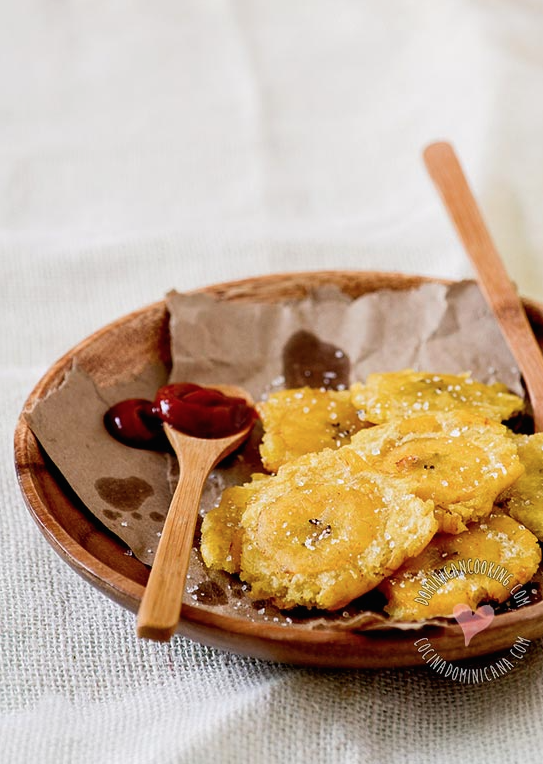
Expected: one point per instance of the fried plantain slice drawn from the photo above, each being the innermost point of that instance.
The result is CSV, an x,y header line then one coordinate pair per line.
x,y
484,563
459,460
410,393
524,499
303,420
221,533
322,532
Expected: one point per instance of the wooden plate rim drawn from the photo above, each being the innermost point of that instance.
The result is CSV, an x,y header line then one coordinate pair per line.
x,y
217,629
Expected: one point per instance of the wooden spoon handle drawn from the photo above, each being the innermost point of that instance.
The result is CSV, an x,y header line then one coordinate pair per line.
x,y
160,607
446,172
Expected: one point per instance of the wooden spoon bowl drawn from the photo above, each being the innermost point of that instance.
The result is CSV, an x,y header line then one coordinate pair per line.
x,y
160,608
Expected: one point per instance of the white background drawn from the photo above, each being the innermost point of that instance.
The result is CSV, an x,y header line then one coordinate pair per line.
x,y
145,146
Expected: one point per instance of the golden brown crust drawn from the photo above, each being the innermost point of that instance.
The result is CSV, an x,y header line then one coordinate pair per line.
x,y
322,532
336,521
459,460
524,499
407,393
222,534
304,420
486,562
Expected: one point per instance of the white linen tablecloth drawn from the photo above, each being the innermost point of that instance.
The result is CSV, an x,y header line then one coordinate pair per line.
x,y
145,146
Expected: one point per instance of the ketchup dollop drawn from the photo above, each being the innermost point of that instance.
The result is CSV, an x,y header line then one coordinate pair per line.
x,y
199,411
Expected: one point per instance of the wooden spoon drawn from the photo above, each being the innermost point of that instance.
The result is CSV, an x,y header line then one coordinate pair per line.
x,y
500,293
160,607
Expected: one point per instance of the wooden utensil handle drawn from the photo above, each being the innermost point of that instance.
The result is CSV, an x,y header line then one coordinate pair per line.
x,y
446,172
160,607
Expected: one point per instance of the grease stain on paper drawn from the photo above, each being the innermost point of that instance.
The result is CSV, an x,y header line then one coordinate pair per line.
x,y
125,494
308,361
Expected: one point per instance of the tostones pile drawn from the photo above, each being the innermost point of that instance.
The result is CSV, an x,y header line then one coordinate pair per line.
x,y
384,486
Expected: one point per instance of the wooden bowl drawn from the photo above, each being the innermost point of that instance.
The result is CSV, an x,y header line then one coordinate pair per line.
x,y
101,558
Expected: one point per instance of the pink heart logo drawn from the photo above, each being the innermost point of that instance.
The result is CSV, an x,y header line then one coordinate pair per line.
x,y
471,622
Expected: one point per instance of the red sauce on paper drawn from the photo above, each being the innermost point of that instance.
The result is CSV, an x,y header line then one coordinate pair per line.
x,y
135,422
199,411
